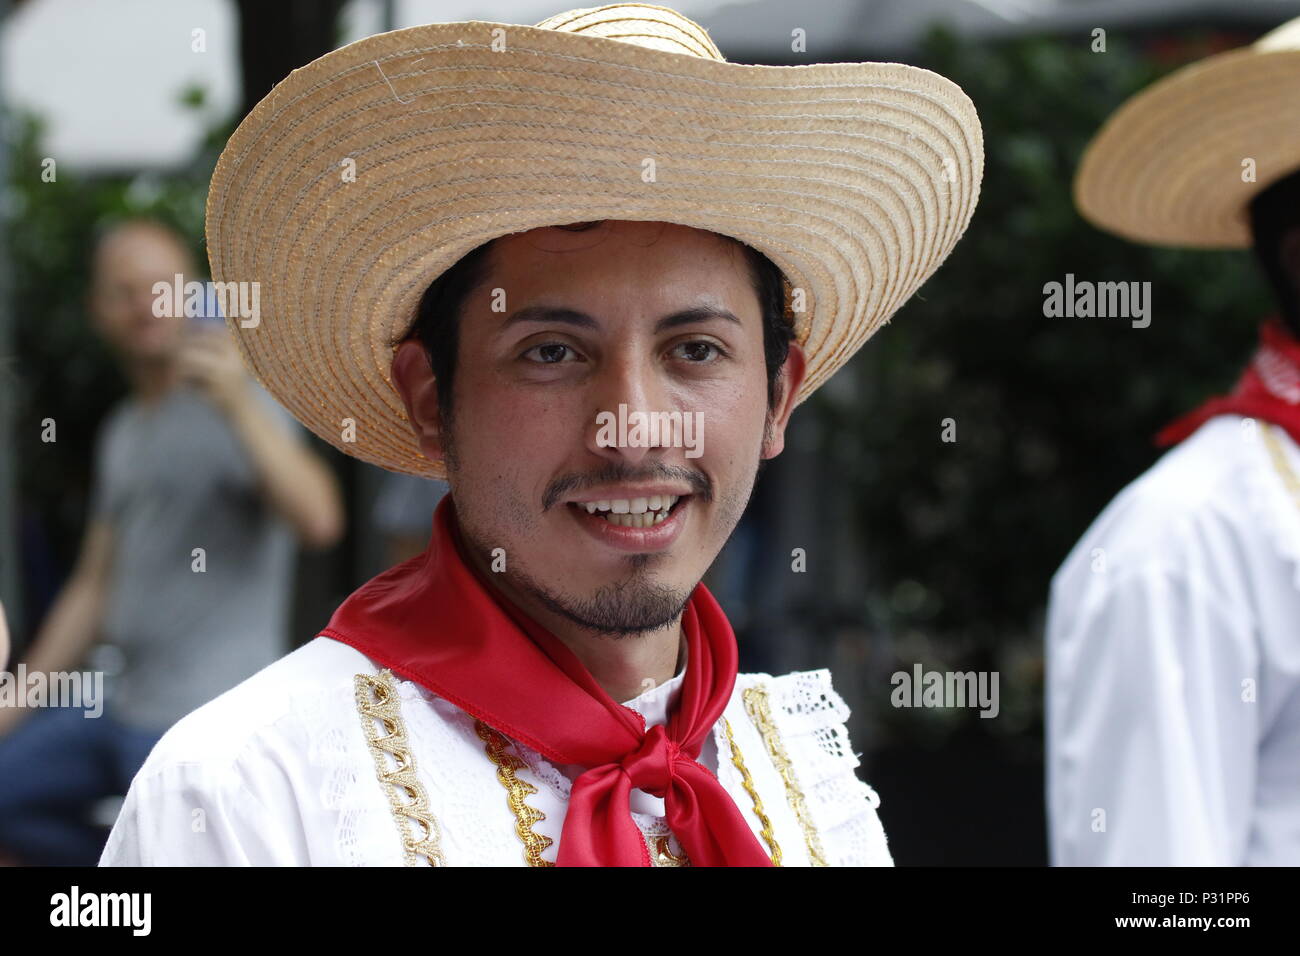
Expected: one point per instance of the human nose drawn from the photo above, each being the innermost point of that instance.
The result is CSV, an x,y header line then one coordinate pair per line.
x,y
628,390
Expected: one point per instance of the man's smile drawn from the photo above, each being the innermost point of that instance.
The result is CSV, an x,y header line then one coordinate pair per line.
x,y
632,512
649,522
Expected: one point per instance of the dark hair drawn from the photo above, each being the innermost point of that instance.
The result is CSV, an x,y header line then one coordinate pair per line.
x,y
437,321
1274,212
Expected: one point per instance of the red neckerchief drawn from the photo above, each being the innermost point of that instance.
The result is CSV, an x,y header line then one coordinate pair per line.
x,y
1269,389
435,621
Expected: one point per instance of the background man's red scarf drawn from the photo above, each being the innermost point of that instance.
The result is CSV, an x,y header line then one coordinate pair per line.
x,y
433,620
1269,389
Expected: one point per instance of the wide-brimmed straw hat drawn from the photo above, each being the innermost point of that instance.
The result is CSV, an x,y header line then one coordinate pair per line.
x,y
1179,162
368,172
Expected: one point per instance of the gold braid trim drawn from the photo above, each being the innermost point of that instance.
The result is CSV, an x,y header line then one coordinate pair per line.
x,y
1280,463
739,761
377,700
760,712
525,816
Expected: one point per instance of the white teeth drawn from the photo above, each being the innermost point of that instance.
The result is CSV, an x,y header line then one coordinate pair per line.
x,y
633,513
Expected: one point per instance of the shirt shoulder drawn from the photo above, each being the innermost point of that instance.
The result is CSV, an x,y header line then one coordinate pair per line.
x,y
797,722
1189,516
257,708
245,779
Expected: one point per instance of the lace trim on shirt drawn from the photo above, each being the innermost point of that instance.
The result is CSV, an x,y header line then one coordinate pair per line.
x,y
377,700
759,709
810,716
1275,496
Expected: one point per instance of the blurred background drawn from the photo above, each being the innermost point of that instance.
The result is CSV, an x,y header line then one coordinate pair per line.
x,y
919,550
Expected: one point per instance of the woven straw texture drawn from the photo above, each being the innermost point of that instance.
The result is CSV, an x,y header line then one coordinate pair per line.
x,y
856,179
1167,167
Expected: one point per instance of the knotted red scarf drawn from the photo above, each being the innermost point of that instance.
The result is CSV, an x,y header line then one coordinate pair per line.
x,y
435,621
1269,389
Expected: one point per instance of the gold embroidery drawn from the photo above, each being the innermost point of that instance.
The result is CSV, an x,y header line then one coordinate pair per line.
x,y
739,761
760,712
525,816
1280,463
377,700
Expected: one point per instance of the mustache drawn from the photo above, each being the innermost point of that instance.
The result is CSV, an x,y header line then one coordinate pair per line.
x,y
614,473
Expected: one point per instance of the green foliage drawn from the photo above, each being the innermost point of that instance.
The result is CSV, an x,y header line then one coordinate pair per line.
x,y
1053,415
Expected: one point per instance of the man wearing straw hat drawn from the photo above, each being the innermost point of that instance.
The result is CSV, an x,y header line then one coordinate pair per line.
x,y
1173,700
487,249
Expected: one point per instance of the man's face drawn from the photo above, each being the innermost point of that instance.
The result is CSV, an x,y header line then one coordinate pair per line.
x,y
626,313
121,297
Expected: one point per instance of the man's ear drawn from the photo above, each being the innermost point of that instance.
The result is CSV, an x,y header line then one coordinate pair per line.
x,y
419,390
788,380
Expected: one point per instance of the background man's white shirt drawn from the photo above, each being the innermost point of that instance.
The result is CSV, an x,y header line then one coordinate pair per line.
x,y
1173,665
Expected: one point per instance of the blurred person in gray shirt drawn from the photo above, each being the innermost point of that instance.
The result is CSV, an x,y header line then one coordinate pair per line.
x,y
187,560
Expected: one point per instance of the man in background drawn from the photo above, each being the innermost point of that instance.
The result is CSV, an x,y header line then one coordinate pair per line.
x,y
1173,640
187,560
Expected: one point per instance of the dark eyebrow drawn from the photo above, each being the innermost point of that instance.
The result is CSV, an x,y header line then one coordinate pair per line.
x,y
553,315
700,313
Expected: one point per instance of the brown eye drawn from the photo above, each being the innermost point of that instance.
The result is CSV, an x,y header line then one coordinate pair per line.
x,y
550,354
700,352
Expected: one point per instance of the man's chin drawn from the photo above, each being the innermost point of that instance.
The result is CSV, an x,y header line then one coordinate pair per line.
x,y
624,609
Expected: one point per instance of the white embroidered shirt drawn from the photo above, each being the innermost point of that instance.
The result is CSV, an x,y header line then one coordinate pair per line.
x,y
282,771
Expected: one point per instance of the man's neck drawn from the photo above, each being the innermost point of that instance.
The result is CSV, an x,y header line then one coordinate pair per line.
x,y
625,666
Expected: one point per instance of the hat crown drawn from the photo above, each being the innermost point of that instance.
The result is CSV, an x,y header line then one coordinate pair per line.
x,y
642,24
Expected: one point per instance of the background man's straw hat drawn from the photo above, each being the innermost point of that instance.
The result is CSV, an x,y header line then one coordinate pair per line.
x,y
856,179
1167,167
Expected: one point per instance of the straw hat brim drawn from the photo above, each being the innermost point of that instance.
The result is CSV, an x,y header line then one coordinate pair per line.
x,y
1167,167
856,179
